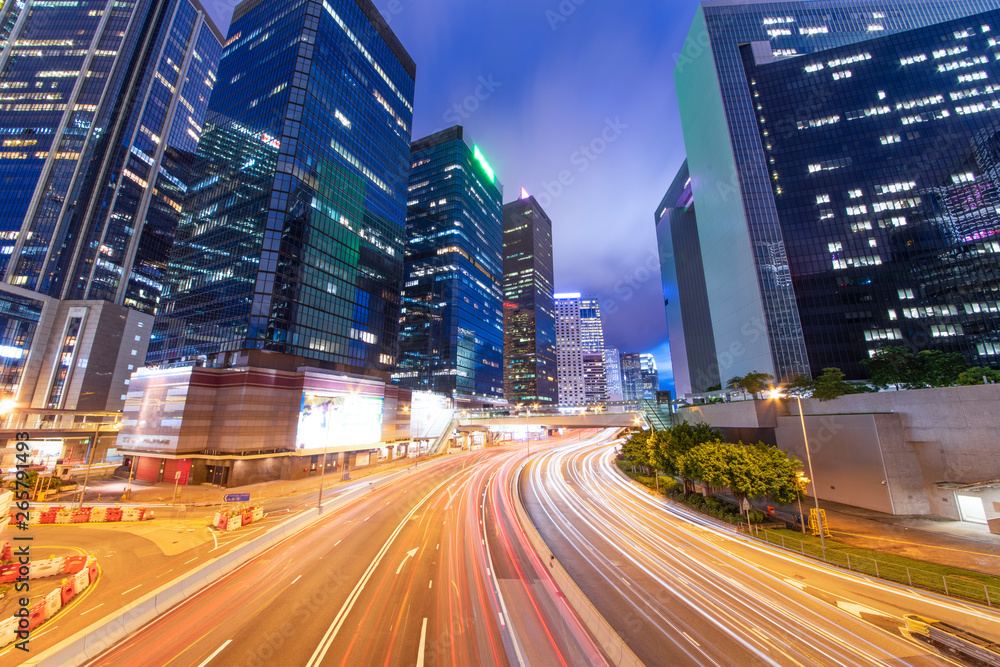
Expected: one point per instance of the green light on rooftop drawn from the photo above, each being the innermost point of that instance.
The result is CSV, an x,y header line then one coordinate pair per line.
x,y
478,154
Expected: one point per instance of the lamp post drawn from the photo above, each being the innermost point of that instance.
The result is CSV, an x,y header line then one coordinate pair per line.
x,y
805,438
800,480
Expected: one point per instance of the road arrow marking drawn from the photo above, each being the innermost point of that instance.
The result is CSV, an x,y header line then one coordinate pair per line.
x,y
855,609
409,554
798,584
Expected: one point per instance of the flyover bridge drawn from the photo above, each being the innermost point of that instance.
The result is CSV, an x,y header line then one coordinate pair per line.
x,y
555,420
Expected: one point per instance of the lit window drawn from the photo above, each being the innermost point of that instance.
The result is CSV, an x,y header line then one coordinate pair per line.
x,y
857,210
846,74
967,177
906,293
953,51
814,67
889,139
835,247
822,199
814,30
913,59
875,27
854,194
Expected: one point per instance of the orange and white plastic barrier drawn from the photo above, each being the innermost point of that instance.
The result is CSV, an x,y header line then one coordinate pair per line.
x,y
47,607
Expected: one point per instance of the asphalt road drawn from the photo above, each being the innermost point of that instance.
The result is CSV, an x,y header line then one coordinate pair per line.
x,y
431,569
682,590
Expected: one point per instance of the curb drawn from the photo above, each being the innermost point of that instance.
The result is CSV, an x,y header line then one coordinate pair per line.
x,y
606,637
105,633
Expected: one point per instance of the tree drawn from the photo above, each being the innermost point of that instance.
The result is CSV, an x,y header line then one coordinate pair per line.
x,y
830,384
753,383
935,368
799,385
891,365
678,440
635,450
749,471
975,375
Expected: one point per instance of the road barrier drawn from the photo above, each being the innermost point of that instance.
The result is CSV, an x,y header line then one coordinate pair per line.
x,y
64,515
104,633
48,606
955,586
227,519
613,645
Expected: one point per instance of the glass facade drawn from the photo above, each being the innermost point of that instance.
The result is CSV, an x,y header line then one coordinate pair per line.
x,y
529,324
884,164
101,105
451,331
19,319
754,315
293,239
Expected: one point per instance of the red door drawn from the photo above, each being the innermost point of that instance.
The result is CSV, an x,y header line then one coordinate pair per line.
x,y
148,469
173,466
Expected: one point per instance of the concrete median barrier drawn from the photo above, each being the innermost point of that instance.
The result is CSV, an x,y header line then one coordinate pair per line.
x,y
105,633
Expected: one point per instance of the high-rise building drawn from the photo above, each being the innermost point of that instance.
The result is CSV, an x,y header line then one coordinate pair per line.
x,y
631,365
279,329
293,249
102,109
689,320
529,325
886,188
649,376
580,350
755,319
451,327
613,371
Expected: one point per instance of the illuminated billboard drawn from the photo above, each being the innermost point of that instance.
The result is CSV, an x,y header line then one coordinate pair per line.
x,y
338,421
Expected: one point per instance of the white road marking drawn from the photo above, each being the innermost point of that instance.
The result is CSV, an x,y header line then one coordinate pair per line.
x,y
192,560
131,589
337,542
217,652
91,609
423,638
409,554
296,579
430,583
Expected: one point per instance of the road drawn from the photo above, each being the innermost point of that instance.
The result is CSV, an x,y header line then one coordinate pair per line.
x,y
680,590
430,569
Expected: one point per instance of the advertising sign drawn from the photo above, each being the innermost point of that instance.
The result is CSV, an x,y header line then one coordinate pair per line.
x,y
338,421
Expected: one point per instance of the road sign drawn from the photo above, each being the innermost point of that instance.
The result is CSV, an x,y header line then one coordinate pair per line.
x,y
237,498
746,505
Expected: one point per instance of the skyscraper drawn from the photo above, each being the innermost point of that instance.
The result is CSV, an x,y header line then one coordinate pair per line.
x,y
294,243
451,327
689,320
613,371
650,377
580,350
887,190
755,320
529,327
102,106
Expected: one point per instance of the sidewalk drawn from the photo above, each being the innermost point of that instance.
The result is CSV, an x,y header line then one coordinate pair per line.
x,y
954,543
145,493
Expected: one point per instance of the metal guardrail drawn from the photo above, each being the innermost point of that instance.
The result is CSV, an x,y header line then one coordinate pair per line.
x,y
950,585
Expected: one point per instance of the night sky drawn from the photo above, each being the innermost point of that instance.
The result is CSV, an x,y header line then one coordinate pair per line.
x,y
537,82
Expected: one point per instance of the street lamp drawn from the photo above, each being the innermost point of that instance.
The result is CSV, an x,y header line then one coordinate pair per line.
x,y
776,394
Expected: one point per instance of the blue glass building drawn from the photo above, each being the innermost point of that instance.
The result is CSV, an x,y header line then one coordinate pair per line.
x,y
294,239
884,161
101,109
529,316
451,332
754,313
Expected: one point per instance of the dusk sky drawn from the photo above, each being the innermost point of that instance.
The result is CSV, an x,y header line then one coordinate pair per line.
x,y
553,77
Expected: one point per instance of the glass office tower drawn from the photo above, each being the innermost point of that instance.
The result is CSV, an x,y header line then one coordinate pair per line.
x,y
101,109
451,331
753,307
529,319
884,160
293,243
